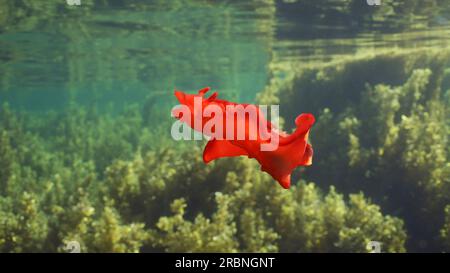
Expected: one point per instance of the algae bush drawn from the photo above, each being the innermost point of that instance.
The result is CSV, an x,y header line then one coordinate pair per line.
x,y
86,153
387,136
61,186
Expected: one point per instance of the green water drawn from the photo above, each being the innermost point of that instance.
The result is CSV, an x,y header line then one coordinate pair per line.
x,y
86,154
122,55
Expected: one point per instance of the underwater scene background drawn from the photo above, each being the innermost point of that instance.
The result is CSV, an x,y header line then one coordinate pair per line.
x,y
86,153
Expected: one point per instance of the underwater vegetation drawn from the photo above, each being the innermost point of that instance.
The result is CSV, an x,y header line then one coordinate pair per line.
x,y
140,204
79,175
387,136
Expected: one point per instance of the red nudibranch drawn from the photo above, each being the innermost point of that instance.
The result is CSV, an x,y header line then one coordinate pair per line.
x,y
292,150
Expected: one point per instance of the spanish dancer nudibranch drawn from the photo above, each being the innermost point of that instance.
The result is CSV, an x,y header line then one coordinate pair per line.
x,y
286,153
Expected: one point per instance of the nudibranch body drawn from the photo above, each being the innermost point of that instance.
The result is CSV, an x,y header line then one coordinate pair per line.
x,y
286,153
